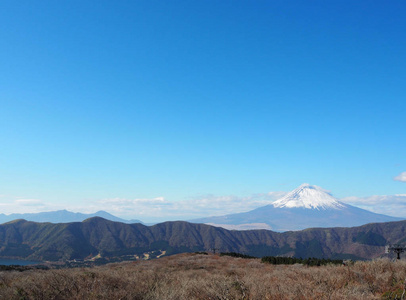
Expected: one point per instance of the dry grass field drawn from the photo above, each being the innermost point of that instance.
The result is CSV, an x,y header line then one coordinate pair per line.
x,y
197,276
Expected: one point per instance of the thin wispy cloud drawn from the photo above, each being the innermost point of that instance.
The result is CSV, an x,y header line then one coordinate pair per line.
x,y
392,205
29,202
161,209
25,205
199,206
401,177
137,207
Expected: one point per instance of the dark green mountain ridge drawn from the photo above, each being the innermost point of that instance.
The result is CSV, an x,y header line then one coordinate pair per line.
x,y
79,240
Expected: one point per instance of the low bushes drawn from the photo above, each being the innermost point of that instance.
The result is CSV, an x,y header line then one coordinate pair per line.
x,y
208,276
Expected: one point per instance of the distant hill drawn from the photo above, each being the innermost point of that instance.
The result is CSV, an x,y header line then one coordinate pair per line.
x,y
62,216
305,207
47,241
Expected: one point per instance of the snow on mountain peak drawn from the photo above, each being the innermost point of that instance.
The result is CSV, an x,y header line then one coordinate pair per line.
x,y
309,196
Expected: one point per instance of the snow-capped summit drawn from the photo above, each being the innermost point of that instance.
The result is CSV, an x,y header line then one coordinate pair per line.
x,y
309,196
305,207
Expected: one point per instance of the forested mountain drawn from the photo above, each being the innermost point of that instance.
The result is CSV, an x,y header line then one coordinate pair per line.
x,y
97,236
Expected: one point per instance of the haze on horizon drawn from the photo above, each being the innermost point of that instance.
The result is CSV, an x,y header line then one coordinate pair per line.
x,y
155,110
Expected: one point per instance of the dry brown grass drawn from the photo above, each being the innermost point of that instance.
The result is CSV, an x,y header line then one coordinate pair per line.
x,y
192,276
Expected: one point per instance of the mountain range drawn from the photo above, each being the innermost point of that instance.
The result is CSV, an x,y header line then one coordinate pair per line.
x,y
63,235
97,237
305,207
62,216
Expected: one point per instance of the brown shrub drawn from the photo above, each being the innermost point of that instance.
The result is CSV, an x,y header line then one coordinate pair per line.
x,y
191,276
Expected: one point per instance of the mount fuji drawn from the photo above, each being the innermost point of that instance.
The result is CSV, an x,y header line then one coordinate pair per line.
x,y
305,207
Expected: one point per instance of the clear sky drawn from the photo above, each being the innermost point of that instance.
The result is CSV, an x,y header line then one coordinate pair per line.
x,y
113,104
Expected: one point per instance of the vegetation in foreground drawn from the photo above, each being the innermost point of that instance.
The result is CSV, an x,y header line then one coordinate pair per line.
x,y
199,276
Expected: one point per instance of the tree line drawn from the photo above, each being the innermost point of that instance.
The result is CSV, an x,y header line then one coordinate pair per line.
x,y
311,261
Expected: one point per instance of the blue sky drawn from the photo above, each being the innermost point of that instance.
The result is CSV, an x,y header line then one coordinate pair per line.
x,y
104,103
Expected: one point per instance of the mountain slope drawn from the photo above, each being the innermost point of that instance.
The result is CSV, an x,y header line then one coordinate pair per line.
x,y
47,241
305,207
310,197
62,216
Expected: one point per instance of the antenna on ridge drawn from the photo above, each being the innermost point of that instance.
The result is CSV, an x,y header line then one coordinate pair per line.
x,y
396,248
